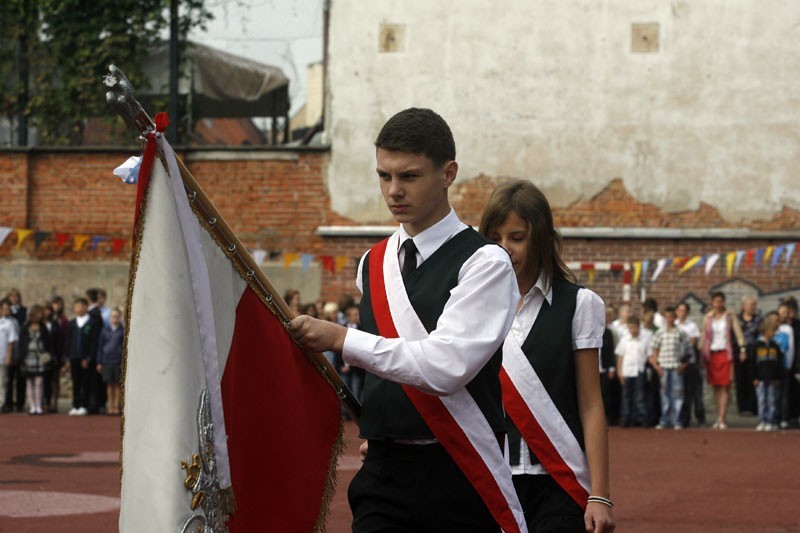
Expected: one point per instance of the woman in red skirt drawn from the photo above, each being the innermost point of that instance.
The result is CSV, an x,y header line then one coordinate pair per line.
x,y
722,335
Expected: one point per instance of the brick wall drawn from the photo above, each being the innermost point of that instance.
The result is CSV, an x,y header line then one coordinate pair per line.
x,y
275,200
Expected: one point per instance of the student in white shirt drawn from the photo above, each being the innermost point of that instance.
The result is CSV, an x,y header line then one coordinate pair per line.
x,y
438,299
551,358
632,353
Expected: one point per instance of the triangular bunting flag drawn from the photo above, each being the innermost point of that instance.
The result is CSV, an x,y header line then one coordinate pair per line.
x,y
305,261
22,234
660,265
97,239
289,258
768,253
61,239
710,262
39,237
749,255
759,256
259,255
729,259
776,256
645,266
689,264
5,231
341,261
80,240
739,255
637,271
327,263
789,250
117,244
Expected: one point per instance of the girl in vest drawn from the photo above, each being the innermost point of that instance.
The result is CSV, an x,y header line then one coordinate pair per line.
x,y
557,444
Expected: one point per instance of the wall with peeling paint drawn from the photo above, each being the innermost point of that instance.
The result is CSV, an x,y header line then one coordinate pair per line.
x,y
689,104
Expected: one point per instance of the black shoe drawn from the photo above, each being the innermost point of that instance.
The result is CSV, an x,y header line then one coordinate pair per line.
x,y
5,409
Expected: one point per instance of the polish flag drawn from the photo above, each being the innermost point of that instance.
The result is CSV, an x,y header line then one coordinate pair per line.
x,y
217,399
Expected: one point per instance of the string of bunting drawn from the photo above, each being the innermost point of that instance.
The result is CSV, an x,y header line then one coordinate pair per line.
x,y
730,262
79,240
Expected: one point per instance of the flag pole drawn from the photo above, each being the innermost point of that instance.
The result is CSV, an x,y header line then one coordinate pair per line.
x,y
120,96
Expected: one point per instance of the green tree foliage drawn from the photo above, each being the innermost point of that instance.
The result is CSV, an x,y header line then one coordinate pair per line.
x,y
67,46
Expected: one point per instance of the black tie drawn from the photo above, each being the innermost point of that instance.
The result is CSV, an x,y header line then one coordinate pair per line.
x,y
409,258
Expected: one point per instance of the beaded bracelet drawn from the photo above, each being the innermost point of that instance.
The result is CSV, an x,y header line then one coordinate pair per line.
x,y
600,499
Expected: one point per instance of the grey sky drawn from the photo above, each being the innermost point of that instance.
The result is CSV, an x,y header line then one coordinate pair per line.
x,y
284,33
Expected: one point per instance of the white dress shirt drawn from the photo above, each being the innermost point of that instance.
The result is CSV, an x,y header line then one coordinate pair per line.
x,y
588,325
471,328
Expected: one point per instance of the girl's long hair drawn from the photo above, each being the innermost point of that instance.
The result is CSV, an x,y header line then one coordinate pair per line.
x,y
526,200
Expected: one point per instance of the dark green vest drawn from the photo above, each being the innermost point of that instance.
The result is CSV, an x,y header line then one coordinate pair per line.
x,y
386,411
548,347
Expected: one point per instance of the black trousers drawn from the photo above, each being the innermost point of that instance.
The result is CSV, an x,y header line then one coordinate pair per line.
x,y
745,390
548,508
415,489
15,388
611,392
80,384
693,396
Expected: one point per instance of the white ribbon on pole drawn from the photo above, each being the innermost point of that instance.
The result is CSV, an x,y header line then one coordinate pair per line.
x,y
201,286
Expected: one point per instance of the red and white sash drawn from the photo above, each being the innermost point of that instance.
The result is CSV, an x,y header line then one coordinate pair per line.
x,y
540,423
455,420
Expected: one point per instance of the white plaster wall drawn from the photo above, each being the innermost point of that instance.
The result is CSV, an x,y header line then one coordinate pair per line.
x,y
550,90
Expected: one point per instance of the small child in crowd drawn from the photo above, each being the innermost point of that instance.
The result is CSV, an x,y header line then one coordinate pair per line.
x,y
669,359
109,358
766,359
632,352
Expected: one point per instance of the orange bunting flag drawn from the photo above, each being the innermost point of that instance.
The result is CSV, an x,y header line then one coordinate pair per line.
x,y
730,258
341,261
289,258
22,234
690,263
80,240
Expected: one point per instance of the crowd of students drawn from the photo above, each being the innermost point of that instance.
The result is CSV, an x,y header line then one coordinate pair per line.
x,y
344,312
652,366
39,343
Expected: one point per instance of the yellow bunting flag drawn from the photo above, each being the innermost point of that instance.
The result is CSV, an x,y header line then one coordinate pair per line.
x,y
341,261
690,263
768,253
637,271
289,258
22,234
80,240
730,258
590,273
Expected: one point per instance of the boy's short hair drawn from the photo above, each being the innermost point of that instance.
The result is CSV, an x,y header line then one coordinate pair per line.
x,y
686,305
650,304
767,323
91,294
418,131
790,302
81,300
718,294
633,321
669,310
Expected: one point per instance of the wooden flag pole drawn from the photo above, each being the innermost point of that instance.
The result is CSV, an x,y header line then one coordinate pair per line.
x,y
121,97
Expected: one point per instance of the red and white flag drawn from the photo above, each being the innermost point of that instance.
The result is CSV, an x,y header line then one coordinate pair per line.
x,y
216,396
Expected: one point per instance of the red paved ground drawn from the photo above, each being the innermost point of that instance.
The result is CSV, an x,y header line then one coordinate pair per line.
x,y
694,480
